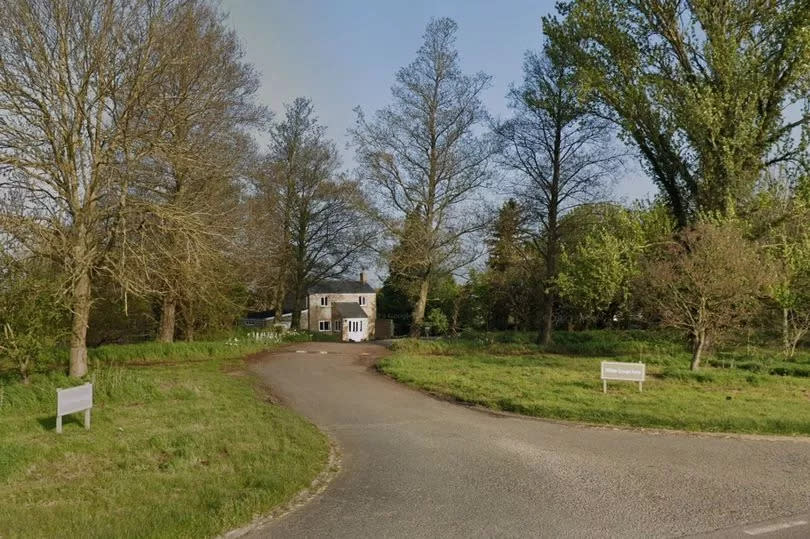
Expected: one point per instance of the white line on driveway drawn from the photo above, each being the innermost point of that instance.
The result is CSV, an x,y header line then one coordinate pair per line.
x,y
775,527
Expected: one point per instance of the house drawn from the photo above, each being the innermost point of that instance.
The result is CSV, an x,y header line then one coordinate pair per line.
x,y
348,308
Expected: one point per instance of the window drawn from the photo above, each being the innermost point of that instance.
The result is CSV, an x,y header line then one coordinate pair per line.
x,y
338,325
362,300
323,325
324,301
355,325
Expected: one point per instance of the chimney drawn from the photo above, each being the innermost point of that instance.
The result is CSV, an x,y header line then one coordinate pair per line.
x,y
363,277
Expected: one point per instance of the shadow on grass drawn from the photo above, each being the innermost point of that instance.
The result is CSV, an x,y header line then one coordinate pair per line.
x,y
49,422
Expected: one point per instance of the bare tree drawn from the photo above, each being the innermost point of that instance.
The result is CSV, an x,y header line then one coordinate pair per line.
x,y
561,154
204,105
421,159
74,87
318,213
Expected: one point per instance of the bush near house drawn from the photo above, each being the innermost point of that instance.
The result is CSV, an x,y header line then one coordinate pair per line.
x,y
183,444
746,389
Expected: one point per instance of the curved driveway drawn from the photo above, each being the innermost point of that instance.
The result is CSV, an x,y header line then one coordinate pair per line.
x,y
414,466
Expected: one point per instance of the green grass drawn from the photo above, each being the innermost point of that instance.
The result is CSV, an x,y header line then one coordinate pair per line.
x,y
187,449
154,352
522,377
147,353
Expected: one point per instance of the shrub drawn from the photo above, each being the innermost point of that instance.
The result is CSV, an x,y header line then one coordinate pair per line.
x,y
31,319
437,321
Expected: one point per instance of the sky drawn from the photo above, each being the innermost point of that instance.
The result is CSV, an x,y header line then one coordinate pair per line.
x,y
345,53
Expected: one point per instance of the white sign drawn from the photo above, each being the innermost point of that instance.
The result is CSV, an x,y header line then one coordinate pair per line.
x,y
628,372
72,400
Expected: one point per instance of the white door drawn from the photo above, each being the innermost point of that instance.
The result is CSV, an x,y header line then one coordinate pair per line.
x,y
356,330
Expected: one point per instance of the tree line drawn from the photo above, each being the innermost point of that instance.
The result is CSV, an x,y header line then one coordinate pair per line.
x,y
135,200
710,99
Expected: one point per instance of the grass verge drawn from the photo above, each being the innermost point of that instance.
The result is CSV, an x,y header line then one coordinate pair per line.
x,y
180,450
520,378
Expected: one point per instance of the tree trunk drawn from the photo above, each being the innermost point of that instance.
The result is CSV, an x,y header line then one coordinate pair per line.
x,y
786,347
25,370
167,319
189,319
699,343
454,318
278,303
295,318
418,317
81,315
796,338
547,324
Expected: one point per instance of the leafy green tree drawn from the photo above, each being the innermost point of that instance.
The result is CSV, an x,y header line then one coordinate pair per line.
x,y
444,294
508,237
511,270
393,303
701,88
789,249
477,300
597,269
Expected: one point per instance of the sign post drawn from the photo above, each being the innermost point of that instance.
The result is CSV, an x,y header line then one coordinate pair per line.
x,y
72,400
627,372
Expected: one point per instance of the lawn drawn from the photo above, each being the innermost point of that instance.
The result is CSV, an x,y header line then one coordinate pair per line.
x,y
562,382
183,444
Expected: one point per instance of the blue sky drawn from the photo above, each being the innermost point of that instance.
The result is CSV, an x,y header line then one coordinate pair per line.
x,y
344,53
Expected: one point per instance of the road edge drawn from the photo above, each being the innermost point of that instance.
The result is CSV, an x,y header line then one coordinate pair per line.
x,y
332,467
303,497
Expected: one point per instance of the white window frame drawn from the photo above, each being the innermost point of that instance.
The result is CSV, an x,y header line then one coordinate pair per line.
x,y
362,300
324,325
324,301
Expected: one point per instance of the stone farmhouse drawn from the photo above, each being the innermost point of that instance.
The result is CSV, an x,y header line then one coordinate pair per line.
x,y
348,308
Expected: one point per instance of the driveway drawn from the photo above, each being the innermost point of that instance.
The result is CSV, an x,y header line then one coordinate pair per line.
x,y
415,466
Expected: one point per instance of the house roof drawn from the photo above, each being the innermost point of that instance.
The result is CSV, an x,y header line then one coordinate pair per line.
x,y
341,287
265,315
349,310
260,315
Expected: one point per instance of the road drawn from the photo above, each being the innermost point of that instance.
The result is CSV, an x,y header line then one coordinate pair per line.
x,y
415,466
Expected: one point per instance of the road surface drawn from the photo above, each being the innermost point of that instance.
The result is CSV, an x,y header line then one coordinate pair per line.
x,y
415,466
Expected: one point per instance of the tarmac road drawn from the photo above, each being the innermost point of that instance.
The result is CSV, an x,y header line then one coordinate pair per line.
x,y
415,466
